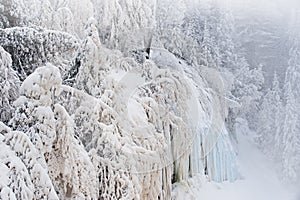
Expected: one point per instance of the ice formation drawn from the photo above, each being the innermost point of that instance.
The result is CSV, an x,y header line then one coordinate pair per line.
x,y
91,122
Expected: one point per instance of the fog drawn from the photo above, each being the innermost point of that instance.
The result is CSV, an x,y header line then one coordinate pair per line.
x,y
271,7
265,28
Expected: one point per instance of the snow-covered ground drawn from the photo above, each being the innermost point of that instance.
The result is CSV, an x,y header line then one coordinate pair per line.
x,y
259,181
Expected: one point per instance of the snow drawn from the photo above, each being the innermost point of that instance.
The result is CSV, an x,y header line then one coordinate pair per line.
x,y
211,147
95,118
13,173
260,180
41,82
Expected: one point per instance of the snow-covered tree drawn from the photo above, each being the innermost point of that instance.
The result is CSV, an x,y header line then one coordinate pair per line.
x,y
293,70
91,66
51,131
16,182
31,48
70,167
34,163
169,18
11,14
270,121
265,130
291,161
278,116
198,30
291,129
9,86
33,114
59,15
117,19
248,89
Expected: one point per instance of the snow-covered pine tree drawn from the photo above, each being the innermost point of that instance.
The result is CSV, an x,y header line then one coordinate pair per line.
x,y
117,19
248,89
291,128
169,19
15,179
278,118
34,115
209,32
291,161
210,53
269,131
225,40
293,70
199,29
265,134
51,130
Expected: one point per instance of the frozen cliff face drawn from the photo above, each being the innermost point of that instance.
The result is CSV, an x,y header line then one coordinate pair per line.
x,y
212,152
99,125
151,127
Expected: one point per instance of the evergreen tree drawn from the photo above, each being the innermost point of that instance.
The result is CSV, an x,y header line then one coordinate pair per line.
x,y
265,138
291,149
269,132
278,117
291,128
248,89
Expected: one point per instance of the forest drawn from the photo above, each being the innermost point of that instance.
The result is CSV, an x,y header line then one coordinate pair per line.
x,y
149,99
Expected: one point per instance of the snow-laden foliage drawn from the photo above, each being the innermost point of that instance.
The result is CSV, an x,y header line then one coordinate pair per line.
x,y
34,163
248,90
50,132
25,176
31,48
11,14
60,15
33,113
44,82
91,62
15,179
70,167
117,20
9,86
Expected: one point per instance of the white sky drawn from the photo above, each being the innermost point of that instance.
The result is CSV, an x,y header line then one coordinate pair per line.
x,y
270,7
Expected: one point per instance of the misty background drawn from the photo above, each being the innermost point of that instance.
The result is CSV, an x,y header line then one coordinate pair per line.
x,y
264,30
